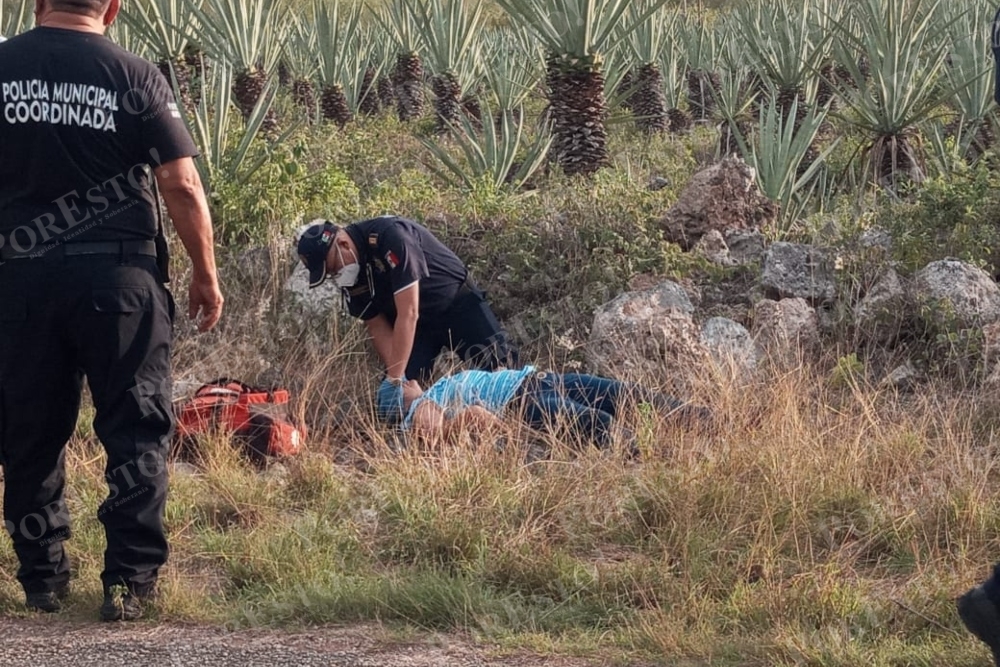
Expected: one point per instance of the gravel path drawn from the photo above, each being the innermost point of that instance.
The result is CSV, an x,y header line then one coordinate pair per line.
x,y
58,643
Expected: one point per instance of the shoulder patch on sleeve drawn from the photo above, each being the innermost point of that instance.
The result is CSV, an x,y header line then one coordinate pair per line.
x,y
373,240
391,259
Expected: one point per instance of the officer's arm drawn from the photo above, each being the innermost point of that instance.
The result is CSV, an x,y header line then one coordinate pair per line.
x,y
184,196
381,332
403,330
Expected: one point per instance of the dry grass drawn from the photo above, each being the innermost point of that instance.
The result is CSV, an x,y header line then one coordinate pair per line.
x,y
820,523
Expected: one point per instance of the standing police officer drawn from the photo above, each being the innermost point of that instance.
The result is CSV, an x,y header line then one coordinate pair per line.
x,y
412,292
82,125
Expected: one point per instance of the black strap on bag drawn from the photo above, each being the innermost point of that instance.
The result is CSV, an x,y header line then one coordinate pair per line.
x,y
162,249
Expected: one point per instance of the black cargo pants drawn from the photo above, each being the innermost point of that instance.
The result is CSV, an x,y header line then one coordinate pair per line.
x,y
107,318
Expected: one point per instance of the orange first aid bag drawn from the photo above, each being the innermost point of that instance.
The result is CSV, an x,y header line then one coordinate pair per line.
x,y
257,418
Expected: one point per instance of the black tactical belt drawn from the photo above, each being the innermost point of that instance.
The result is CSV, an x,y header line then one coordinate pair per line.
x,y
122,248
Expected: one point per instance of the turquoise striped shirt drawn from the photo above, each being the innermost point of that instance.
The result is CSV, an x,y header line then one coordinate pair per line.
x,y
492,390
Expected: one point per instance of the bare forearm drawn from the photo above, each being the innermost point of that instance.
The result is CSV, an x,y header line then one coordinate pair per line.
x,y
381,335
194,228
403,333
184,196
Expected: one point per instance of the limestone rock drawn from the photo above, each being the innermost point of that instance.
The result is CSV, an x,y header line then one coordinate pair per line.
x,y
793,270
722,196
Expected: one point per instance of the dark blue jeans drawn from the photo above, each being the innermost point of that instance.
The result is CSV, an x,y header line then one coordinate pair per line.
x,y
588,402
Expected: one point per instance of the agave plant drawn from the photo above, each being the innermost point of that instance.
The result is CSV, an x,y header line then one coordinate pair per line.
x,y
576,35
451,29
302,64
780,155
781,42
735,102
905,57
500,157
969,73
225,156
338,60
15,17
382,53
167,27
672,70
703,44
652,36
250,35
514,67
399,20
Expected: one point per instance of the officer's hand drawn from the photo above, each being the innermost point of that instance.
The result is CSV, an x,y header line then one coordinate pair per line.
x,y
204,303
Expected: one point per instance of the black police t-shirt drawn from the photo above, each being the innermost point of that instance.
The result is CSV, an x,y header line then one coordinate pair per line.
x,y
395,253
80,120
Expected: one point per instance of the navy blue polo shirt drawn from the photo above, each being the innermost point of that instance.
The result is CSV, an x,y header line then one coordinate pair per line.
x,y
395,253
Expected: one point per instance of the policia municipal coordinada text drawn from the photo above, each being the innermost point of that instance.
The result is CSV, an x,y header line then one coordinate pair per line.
x,y
75,104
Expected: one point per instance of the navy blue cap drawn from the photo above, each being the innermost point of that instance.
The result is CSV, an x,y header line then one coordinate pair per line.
x,y
313,247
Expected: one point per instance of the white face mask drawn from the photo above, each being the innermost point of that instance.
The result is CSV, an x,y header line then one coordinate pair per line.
x,y
347,276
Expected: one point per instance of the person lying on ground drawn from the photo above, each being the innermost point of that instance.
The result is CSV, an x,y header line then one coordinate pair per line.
x,y
473,401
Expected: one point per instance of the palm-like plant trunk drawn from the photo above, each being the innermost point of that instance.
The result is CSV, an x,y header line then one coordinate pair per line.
x,y
182,73
898,156
700,87
679,121
648,102
826,91
407,81
578,110
369,103
386,97
625,91
334,105
473,110
247,91
787,98
447,101
304,94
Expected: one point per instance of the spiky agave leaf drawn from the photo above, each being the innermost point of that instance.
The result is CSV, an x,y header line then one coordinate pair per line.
x,y
576,35
502,158
777,154
514,67
969,72
341,61
303,64
782,45
672,65
399,19
703,44
450,29
225,146
250,35
906,57
15,17
651,37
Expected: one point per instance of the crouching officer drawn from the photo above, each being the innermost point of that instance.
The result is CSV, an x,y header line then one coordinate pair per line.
x,y
85,127
414,294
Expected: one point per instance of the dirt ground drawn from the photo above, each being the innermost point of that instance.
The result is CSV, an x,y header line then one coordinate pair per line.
x,y
55,643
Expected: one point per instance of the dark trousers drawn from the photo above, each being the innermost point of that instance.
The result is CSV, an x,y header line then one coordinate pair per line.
x,y
587,402
468,327
109,319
